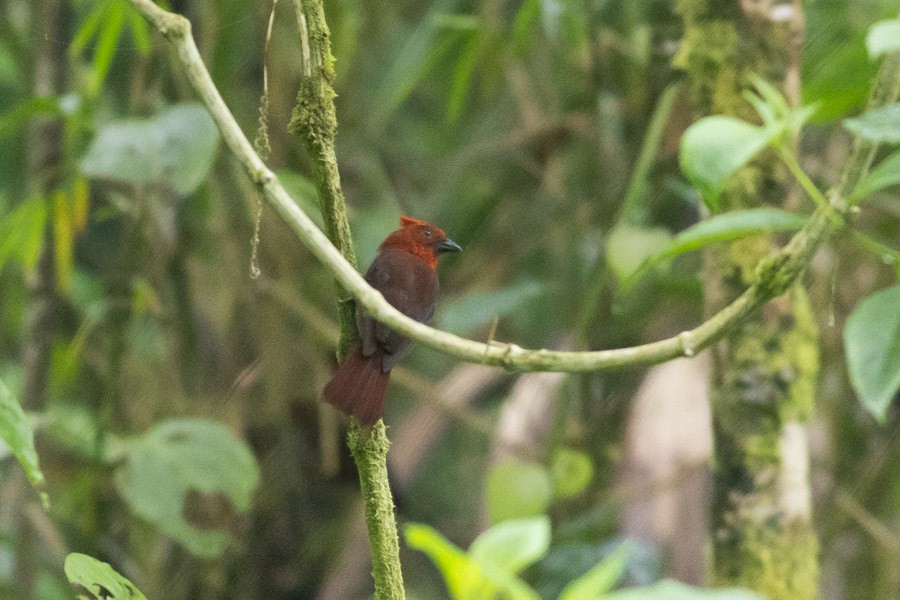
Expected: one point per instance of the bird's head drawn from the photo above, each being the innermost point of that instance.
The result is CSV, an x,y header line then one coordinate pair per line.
x,y
422,239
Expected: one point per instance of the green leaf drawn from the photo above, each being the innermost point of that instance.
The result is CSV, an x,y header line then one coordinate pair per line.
x,y
176,148
772,97
89,27
140,30
22,233
886,174
462,315
883,37
872,348
10,70
63,239
182,463
726,227
674,590
113,23
462,75
425,48
628,247
16,432
880,125
513,545
571,472
601,578
714,148
467,577
523,28
462,574
840,80
97,580
511,586
516,490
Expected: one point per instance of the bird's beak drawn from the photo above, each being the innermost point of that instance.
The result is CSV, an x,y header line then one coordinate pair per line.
x,y
448,246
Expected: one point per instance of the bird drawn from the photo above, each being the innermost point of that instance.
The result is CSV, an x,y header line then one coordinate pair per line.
x,y
405,273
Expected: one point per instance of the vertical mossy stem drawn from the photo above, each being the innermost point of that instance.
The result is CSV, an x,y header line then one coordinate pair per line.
x,y
315,121
369,449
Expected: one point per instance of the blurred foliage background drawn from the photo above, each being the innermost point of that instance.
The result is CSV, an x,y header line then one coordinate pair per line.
x,y
542,135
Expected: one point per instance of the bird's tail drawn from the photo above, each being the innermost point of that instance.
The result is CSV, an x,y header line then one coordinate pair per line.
x,y
358,386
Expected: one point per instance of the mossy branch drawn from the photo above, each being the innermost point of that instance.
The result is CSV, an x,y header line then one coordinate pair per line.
x,y
369,449
777,272
315,121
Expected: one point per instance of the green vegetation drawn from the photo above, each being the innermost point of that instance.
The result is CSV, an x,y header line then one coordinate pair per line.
x,y
651,178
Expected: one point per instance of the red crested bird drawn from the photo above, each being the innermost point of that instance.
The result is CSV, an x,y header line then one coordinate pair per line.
x,y
404,273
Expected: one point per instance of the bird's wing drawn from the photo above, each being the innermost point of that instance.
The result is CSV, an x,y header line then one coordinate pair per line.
x,y
410,287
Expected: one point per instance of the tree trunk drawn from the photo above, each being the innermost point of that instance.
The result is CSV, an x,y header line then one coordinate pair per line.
x,y
764,374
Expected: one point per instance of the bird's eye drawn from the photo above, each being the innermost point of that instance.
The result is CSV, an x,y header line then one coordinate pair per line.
x,y
426,233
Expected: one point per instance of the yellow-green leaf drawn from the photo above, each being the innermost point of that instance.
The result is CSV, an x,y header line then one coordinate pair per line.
x,y
16,432
98,579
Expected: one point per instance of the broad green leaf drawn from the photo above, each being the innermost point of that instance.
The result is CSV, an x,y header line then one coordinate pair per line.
x,y
467,577
462,574
513,545
674,590
22,233
461,315
571,472
872,348
714,148
628,247
516,490
880,125
97,580
726,227
16,432
840,80
883,37
176,148
184,462
601,578
885,174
